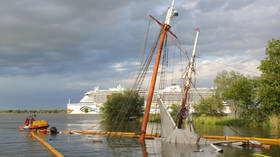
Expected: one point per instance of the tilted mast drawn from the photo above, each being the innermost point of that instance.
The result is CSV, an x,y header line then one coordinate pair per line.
x,y
188,75
165,28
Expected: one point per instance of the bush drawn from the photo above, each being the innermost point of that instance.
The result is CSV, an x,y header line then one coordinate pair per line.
x,y
211,106
155,118
175,110
210,120
126,106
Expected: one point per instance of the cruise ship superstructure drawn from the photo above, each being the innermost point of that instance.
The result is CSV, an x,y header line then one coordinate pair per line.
x,y
94,99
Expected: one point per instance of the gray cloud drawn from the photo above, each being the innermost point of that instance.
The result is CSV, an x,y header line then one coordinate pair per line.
x,y
63,47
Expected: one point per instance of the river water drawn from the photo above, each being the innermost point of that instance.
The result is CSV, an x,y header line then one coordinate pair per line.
x,y
18,143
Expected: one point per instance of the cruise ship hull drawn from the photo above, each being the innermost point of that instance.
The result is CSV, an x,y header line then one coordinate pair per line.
x,y
83,108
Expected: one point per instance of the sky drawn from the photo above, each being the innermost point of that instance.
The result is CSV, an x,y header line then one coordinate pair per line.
x,y
53,50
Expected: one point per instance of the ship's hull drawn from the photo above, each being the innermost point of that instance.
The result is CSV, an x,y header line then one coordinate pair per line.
x,y
83,108
33,127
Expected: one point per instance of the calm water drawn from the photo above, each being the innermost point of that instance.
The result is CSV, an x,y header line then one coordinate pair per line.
x,y
18,143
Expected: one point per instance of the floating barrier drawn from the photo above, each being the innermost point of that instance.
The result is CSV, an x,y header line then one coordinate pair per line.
x,y
231,138
53,151
125,134
152,136
260,155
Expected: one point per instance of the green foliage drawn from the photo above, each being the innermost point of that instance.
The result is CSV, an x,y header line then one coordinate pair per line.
x,y
175,109
241,92
232,122
211,106
269,82
237,90
126,106
256,100
223,82
272,122
210,120
155,118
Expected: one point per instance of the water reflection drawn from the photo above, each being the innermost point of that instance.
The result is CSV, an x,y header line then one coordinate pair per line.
x,y
121,127
144,148
185,150
14,142
119,146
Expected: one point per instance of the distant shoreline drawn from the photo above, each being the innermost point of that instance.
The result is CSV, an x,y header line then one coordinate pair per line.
x,y
33,111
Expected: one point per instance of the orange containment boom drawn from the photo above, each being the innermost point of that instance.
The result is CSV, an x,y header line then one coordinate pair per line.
x,y
125,134
53,151
231,138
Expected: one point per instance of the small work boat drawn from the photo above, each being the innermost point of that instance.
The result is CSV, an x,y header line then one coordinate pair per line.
x,y
31,123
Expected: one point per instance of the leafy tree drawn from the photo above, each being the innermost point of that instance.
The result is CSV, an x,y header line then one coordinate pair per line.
x,y
241,93
211,106
237,90
121,107
222,83
269,81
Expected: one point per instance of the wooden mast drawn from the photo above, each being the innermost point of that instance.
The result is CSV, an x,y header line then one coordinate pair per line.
x,y
165,28
188,75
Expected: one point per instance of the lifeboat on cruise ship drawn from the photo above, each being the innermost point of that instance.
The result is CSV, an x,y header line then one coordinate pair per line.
x,y
31,123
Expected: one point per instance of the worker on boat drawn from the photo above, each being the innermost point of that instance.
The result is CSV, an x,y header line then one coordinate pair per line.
x,y
26,122
32,120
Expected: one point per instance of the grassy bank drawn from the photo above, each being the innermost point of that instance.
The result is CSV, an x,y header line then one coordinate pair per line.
x,y
272,122
211,120
33,111
155,118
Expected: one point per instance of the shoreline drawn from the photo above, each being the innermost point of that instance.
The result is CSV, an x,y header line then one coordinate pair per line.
x,y
32,111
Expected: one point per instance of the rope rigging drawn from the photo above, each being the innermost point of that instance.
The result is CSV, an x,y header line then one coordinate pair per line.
x,y
183,51
145,43
162,82
139,79
143,69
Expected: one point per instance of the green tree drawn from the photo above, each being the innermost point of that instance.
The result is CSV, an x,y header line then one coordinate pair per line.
x,y
222,83
211,106
269,82
126,106
238,91
241,94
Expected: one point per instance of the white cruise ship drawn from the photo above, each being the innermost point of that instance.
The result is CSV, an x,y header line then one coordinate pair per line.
x,y
94,99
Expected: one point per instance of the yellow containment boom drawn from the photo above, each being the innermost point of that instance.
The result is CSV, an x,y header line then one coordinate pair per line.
x,y
152,136
53,151
125,134
260,155
231,138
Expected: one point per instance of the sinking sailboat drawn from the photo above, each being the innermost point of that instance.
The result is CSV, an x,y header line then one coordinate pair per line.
x,y
170,131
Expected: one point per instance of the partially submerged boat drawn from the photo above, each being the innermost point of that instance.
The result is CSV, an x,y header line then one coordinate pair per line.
x,y
176,131
171,131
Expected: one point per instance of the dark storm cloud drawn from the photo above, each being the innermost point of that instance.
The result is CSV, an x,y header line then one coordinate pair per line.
x,y
44,36
59,47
